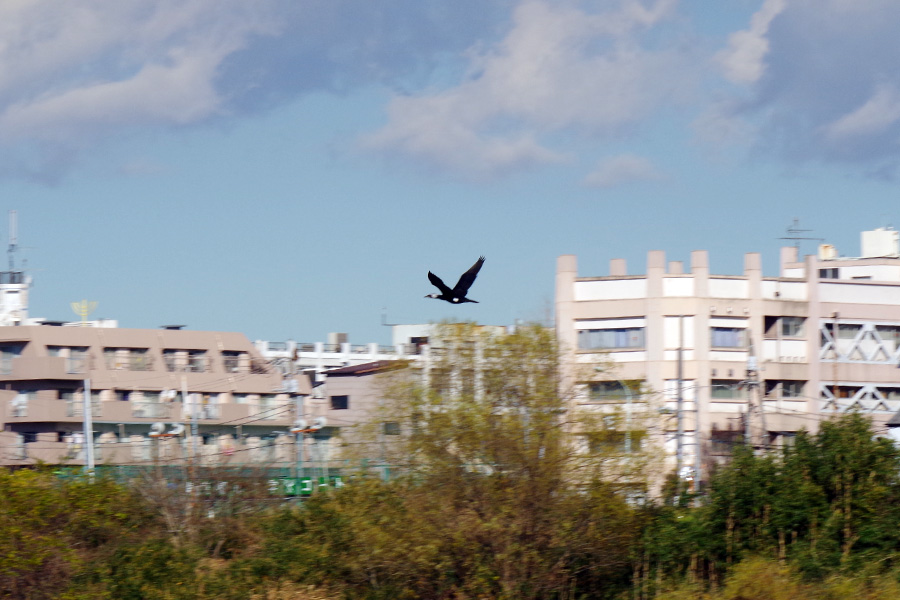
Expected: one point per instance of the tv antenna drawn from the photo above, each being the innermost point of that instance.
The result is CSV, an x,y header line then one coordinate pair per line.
x,y
794,234
13,239
83,309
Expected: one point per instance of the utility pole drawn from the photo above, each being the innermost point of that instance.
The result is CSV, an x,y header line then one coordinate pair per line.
x,y
751,383
88,427
184,396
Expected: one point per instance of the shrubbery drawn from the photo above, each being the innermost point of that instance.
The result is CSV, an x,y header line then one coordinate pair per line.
x,y
489,499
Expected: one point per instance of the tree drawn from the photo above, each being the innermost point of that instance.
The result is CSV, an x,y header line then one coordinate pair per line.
x,y
495,497
829,501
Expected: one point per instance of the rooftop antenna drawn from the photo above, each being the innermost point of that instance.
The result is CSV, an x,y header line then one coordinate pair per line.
x,y
794,231
83,309
13,239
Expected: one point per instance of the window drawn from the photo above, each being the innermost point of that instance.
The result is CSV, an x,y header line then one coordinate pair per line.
x,y
728,337
140,359
196,361
614,391
829,273
890,393
792,389
784,389
170,357
792,326
391,428
625,338
613,441
231,360
888,333
128,359
845,391
340,402
845,331
722,442
726,389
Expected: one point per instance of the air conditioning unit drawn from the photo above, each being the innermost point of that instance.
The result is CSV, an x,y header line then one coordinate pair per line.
x,y
19,406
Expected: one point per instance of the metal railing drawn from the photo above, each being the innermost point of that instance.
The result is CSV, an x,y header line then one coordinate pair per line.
x,y
196,364
150,410
134,362
75,408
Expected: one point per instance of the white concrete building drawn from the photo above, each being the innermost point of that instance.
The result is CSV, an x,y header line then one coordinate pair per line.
x,y
822,337
408,342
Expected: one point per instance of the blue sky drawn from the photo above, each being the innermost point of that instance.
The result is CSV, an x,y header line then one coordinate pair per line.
x,y
287,168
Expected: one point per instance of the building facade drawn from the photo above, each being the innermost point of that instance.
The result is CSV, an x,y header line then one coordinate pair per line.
x,y
749,356
156,396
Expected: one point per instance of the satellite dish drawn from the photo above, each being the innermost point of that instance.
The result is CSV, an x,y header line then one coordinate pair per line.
x,y
319,423
157,429
299,426
177,429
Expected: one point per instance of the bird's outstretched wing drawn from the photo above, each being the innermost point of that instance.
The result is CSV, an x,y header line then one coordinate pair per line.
x,y
436,282
468,278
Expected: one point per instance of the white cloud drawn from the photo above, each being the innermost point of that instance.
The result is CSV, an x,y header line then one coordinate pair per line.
x,y
877,113
818,82
622,170
76,74
73,74
559,68
744,59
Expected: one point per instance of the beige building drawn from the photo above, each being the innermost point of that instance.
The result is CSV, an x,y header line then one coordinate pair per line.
x,y
148,388
763,356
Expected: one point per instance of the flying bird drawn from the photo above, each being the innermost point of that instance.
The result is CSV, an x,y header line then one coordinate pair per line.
x,y
458,294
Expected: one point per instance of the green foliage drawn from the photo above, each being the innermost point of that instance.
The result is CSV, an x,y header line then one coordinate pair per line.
x,y
489,498
50,530
151,570
492,498
828,503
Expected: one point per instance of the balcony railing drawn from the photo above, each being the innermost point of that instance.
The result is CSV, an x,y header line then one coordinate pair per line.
x,y
208,411
75,408
78,364
137,362
150,410
196,364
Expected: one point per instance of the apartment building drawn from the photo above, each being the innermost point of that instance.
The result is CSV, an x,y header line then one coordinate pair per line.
x,y
147,388
746,354
319,359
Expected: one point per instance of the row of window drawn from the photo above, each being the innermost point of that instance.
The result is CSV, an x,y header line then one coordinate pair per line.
x,y
140,359
720,389
633,338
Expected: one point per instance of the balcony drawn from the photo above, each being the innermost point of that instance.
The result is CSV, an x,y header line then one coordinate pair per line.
x,y
44,367
151,410
232,364
196,364
134,362
206,411
75,408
